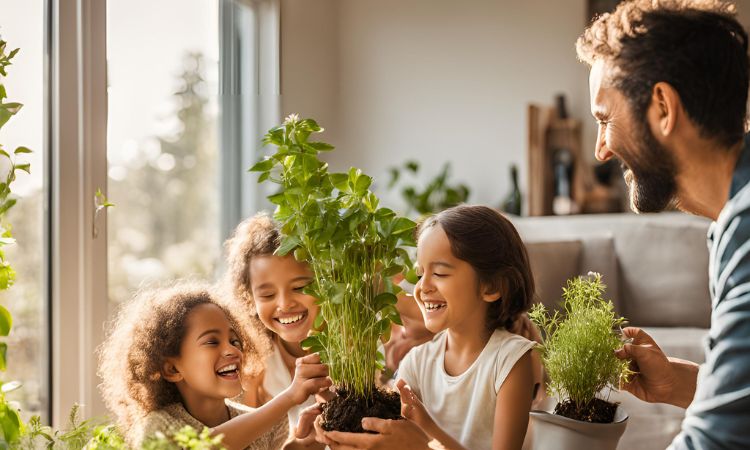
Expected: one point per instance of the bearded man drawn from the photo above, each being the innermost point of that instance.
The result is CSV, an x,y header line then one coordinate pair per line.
x,y
668,85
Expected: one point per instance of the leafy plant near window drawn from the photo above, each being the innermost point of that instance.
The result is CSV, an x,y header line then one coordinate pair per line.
x,y
436,195
90,435
10,421
578,350
332,221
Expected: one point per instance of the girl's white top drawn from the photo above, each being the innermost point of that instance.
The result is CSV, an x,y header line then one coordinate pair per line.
x,y
463,405
277,378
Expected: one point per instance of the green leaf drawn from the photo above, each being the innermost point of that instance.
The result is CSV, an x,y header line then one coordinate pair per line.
x,y
10,422
7,205
277,199
383,300
263,165
403,225
321,146
341,182
3,94
312,343
318,322
361,184
6,321
7,276
20,150
264,176
288,243
411,276
3,358
26,167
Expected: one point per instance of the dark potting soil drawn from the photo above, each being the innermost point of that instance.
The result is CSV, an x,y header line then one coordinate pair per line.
x,y
345,411
596,411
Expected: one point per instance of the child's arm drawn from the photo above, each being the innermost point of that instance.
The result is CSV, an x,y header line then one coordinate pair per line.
x,y
513,405
310,376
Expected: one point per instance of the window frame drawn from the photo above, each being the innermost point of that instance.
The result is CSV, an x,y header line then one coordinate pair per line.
x,y
76,135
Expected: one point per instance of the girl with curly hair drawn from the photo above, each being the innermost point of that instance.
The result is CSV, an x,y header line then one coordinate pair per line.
x,y
270,287
175,355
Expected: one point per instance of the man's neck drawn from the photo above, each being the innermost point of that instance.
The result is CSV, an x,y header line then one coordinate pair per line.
x,y
705,177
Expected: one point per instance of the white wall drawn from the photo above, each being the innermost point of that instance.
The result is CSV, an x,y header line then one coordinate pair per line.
x,y
434,80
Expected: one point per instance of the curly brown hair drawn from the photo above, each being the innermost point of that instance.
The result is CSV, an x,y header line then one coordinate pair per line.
x,y
696,46
255,236
488,241
148,329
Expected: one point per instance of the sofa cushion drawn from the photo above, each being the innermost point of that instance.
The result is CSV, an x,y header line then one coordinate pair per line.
x,y
664,280
680,342
599,256
552,264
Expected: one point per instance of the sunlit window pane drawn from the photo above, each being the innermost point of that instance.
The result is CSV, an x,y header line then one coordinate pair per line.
x,y
163,152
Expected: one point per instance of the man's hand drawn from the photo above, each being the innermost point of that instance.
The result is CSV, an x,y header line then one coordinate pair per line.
x,y
658,379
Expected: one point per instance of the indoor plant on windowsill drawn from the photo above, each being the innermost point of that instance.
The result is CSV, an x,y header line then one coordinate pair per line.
x,y
578,355
332,221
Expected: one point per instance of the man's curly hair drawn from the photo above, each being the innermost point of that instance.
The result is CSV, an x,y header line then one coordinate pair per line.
x,y
255,236
148,329
696,46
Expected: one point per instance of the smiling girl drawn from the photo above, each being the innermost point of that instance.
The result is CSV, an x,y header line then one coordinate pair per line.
x,y
471,387
173,358
271,287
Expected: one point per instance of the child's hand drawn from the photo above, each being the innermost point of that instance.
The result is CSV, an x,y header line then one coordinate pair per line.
x,y
412,408
304,433
310,377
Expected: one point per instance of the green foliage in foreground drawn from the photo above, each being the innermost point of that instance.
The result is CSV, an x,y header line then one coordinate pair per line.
x,y
90,435
578,350
11,425
332,221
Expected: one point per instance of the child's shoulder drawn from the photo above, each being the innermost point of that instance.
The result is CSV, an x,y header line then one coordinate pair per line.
x,y
167,420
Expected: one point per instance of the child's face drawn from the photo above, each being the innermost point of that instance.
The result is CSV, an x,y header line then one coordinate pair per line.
x,y
277,283
210,357
448,292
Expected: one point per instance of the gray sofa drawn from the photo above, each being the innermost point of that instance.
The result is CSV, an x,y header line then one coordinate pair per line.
x,y
656,270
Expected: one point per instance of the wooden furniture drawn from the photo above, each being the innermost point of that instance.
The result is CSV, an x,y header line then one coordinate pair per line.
x,y
549,134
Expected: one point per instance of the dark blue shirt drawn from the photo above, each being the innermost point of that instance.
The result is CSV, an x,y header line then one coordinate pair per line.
x,y
719,416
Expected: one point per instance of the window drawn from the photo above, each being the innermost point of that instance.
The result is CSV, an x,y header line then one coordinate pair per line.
x,y
163,146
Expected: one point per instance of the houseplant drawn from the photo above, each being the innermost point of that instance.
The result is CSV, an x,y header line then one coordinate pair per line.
x,y
578,355
437,195
333,222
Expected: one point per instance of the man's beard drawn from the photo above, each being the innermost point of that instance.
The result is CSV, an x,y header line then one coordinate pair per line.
x,y
650,172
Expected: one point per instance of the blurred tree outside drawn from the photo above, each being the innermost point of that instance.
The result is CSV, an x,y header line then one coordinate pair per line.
x,y
165,223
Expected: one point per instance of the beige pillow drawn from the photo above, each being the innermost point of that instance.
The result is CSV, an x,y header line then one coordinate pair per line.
x,y
552,264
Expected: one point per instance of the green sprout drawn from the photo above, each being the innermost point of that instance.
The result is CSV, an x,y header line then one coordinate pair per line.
x,y
332,221
578,350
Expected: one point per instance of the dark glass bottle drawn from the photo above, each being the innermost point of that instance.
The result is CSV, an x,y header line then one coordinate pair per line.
x,y
512,203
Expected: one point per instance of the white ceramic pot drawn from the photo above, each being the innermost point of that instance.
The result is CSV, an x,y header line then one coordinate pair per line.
x,y
550,431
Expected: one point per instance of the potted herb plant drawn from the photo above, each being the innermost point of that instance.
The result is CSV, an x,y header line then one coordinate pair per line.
x,y
578,355
333,222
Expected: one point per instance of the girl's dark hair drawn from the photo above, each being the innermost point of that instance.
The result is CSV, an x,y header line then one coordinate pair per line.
x,y
488,241
147,330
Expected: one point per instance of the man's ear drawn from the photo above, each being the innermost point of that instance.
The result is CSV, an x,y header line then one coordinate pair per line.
x,y
170,372
492,292
665,109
